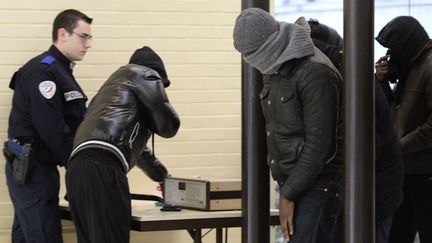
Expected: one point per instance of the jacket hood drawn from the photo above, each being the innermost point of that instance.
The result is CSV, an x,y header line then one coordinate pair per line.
x,y
324,33
405,38
147,57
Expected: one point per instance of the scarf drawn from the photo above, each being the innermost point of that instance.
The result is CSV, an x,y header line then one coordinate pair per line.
x,y
290,42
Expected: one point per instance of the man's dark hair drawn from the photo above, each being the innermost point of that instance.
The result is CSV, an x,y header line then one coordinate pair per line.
x,y
68,19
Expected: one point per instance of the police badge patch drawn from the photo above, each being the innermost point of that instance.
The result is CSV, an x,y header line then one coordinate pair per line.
x,y
72,95
47,89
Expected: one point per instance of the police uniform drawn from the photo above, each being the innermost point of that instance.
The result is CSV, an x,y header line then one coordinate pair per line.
x,y
47,107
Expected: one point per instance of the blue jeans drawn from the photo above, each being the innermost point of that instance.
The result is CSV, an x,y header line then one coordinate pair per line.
x,y
382,229
318,213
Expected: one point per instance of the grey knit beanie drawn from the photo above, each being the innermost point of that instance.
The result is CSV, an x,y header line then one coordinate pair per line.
x,y
252,28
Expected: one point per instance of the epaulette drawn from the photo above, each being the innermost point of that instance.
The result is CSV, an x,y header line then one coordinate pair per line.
x,y
48,60
13,80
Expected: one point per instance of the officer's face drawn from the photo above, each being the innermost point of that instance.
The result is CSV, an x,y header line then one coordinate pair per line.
x,y
74,45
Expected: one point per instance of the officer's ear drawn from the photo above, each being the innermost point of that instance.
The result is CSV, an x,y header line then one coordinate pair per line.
x,y
62,34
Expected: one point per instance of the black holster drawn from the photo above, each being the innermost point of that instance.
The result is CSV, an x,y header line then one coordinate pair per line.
x,y
19,156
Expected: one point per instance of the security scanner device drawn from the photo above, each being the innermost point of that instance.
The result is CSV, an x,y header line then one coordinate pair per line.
x,y
203,193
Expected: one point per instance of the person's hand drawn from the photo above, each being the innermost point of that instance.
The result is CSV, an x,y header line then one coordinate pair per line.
x,y
286,216
160,187
382,68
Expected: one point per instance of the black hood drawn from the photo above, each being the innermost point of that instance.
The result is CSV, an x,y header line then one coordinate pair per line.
x,y
147,57
405,38
328,41
324,33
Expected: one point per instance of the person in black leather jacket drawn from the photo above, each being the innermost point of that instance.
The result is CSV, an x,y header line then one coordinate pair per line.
x,y
302,105
130,107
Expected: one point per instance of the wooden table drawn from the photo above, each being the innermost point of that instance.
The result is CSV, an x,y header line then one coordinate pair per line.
x,y
147,217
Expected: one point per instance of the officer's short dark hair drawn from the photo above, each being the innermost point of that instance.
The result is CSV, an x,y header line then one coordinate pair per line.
x,y
68,19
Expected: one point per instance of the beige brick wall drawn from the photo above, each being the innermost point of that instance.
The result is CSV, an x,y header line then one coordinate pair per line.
x,y
193,37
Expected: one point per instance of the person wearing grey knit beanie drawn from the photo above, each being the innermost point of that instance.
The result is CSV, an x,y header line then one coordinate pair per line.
x,y
267,43
253,27
301,103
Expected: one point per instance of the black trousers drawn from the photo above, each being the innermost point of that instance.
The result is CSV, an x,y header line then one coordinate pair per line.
x,y
37,214
415,214
99,197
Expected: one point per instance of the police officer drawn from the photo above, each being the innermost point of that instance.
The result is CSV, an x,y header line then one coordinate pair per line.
x,y
47,107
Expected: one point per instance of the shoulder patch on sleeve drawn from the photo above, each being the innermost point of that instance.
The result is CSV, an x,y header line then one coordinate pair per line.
x,y
73,95
48,60
47,88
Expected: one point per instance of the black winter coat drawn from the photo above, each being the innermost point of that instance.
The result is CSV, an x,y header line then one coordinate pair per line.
x,y
411,55
388,158
129,107
302,105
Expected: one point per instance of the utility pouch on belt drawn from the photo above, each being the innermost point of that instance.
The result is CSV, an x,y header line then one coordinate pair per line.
x,y
20,157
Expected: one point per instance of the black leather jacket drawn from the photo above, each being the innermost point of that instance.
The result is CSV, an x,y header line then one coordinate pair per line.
x,y
302,105
129,107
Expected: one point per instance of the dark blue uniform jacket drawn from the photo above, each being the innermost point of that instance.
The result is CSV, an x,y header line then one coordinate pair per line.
x,y
47,107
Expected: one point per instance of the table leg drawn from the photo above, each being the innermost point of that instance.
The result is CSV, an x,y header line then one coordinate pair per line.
x,y
198,236
195,234
219,232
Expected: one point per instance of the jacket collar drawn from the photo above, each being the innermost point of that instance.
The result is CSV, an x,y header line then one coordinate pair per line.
x,y
68,65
